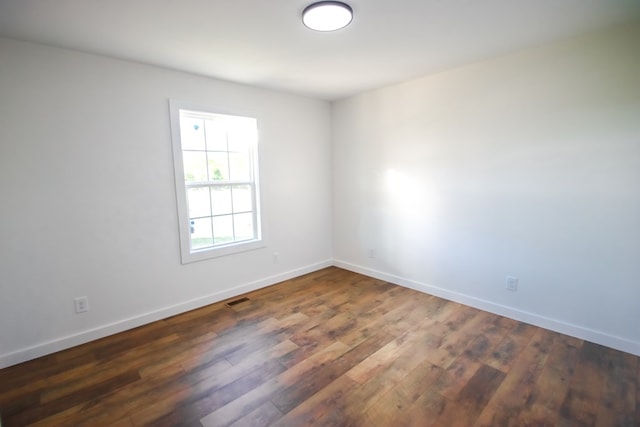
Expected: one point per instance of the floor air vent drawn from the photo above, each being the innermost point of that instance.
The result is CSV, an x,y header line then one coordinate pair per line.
x,y
237,301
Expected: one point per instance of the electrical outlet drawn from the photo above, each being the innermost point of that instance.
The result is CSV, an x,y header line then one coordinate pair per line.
x,y
275,257
81,304
511,284
372,253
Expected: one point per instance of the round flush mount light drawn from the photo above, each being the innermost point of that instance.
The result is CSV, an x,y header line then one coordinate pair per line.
x,y
327,15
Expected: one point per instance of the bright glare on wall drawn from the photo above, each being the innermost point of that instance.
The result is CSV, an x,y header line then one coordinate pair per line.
x,y
400,186
327,15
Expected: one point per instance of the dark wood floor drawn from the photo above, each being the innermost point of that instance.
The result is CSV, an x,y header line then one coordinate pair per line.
x,y
331,348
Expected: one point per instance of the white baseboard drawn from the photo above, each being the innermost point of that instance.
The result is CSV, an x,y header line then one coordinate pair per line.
x,y
83,337
555,325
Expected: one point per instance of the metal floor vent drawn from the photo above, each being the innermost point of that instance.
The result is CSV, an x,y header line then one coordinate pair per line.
x,y
237,301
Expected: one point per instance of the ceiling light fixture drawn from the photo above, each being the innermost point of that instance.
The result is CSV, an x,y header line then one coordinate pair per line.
x,y
327,15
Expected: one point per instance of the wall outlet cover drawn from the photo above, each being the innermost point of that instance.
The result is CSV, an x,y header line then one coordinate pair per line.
x,y
511,283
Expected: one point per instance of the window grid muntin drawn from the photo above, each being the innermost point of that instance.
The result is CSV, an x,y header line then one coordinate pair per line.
x,y
232,213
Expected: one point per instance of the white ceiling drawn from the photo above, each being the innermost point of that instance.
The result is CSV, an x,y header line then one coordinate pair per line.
x,y
264,43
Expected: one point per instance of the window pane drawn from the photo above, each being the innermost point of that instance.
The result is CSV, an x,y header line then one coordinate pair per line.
x,y
223,229
242,134
242,198
201,233
195,166
192,133
216,135
221,200
199,203
218,167
243,225
240,167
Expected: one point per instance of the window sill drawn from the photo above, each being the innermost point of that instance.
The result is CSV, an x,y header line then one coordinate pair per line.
x,y
220,251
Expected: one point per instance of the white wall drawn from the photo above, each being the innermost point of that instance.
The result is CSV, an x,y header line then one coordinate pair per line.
x,y
88,198
525,165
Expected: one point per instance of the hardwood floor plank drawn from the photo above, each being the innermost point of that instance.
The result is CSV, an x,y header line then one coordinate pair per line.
x,y
390,369
330,348
424,412
105,409
586,386
251,400
206,398
326,404
378,362
135,359
451,345
619,381
638,393
459,372
318,378
394,406
515,392
483,333
392,318
553,383
178,353
261,416
43,410
511,346
472,399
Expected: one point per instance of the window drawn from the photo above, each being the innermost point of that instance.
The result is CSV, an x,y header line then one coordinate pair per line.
x,y
215,162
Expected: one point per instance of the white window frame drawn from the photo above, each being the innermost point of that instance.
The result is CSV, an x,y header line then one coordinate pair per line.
x,y
184,227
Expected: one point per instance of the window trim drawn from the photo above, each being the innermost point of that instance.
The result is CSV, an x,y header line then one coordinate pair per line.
x,y
188,255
